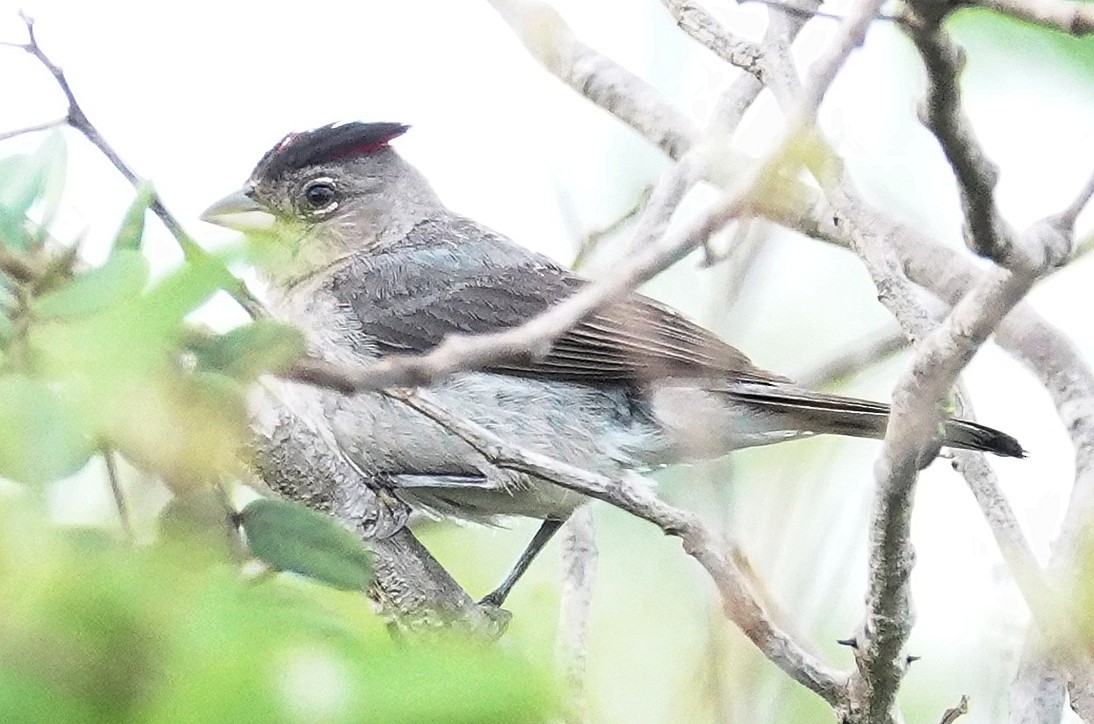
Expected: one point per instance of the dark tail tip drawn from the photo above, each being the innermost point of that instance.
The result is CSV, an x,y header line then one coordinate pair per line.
x,y
974,436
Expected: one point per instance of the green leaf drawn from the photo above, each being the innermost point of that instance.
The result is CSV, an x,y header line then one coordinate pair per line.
x,y
120,279
13,231
290,537
7,330
40,439
201,517
182,291
131,232
53,185
248,351
27,179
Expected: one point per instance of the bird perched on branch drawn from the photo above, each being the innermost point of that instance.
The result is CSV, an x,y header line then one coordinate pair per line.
x,y
368,262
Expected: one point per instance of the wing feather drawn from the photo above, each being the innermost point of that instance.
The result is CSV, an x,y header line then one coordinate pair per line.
x,y
451,276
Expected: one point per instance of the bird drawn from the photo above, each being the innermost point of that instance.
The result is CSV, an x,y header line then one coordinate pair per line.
x,y
363,256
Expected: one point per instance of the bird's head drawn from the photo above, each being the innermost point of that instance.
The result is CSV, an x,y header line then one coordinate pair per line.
x,y
318,196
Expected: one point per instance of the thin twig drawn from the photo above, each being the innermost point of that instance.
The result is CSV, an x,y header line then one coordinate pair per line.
x,y
696,21
47,125
1069,16
859,357
17,266
953,713
593,238
808,13
119,495
76,118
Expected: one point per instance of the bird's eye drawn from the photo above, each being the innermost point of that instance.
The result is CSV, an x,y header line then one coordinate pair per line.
x,y
319,194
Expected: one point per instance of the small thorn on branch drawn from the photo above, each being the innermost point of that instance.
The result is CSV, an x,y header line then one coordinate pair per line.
x,y
851,642
950,715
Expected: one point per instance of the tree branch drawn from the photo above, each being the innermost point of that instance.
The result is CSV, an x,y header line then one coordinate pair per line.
x,y
579,556
861,356
986,233
607,84
411,586
77,119
738,601
704,28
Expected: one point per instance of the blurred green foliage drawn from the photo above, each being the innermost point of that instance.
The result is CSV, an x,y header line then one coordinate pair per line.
x,y
1022,42
96,358
98,631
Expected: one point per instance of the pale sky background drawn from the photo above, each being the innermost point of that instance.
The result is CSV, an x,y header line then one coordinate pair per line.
x,y
192,93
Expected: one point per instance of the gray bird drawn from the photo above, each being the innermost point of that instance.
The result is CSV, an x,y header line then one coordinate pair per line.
x,y
368,262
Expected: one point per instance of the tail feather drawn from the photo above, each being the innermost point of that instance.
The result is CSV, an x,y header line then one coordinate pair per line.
x,y
820,413
974,436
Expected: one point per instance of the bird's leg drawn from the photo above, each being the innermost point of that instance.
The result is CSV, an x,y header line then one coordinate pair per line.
x,y
546,531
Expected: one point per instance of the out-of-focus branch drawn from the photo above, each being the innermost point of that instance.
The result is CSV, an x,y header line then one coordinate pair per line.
x,y
120,503
704,28
912,424
955,712
856,359
986,233
1040,686
77,119
738,601
854,223
1067,217
604,82
1069,16
591,241
579,557
1025,335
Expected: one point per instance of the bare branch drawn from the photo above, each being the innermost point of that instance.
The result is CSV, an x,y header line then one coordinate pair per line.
x,y
593,238
1038,691
76,118
1068,16
696,21
912,424
986,233
579,557
1025,335
732,106
850,35
1067,217
709,550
